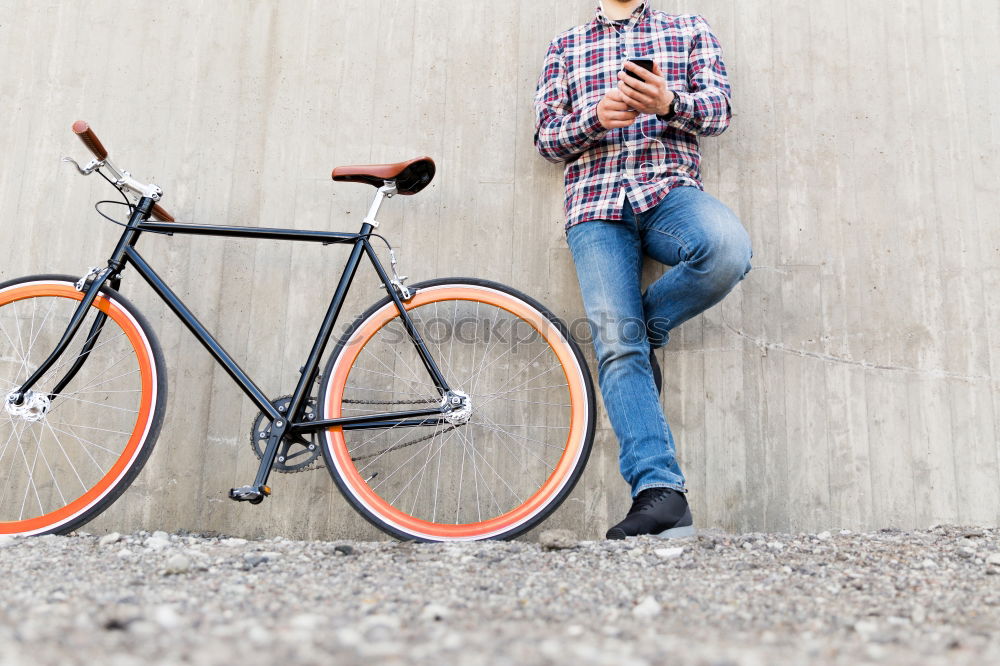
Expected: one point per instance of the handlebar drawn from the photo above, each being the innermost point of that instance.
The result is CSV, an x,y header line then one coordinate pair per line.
x,y
162,215
90,140
82,130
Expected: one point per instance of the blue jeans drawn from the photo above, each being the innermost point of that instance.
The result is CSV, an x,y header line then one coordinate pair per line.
x,y
710,252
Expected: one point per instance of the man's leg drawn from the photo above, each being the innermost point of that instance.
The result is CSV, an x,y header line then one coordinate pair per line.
x,y
708,248
608,262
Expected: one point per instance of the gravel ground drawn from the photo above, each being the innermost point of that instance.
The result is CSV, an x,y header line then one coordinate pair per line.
x,y
929,597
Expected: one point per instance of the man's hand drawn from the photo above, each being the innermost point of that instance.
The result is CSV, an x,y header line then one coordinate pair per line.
x,y
650,95
614,112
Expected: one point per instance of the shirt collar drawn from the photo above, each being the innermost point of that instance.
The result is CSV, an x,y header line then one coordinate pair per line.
x,y
637,13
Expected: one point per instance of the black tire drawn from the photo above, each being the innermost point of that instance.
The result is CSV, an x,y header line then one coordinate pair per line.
x,y
588,436
151,424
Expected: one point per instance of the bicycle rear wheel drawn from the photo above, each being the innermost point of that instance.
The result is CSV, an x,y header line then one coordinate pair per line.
x,y
66,456
494,476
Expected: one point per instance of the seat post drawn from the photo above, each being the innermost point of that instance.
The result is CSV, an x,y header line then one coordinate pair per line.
x,y
388,190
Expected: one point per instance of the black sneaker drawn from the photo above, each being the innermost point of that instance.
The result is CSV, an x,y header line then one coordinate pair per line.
x,y
657,375
661,512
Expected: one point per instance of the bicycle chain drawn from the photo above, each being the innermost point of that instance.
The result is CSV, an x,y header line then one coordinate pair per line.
x,y
427,401
404,444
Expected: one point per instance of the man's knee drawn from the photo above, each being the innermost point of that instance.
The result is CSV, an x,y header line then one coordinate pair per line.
x,y
722,251
617,339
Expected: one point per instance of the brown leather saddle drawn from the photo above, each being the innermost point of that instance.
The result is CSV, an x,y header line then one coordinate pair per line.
x,y
410,176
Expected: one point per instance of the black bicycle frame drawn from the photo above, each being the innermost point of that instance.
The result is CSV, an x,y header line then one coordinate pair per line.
x,y
125,253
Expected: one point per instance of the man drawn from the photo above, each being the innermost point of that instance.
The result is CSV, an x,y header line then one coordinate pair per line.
x,y
633,187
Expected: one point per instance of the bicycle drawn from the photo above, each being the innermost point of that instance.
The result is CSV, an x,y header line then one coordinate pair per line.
x,y
451,409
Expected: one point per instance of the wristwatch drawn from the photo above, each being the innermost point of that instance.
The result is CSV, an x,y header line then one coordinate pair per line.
x,y
672,111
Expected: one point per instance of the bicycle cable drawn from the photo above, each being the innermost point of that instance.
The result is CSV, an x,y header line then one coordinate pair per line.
x,y
127,202
384,240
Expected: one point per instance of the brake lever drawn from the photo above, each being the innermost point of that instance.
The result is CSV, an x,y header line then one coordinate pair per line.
x,y
89,168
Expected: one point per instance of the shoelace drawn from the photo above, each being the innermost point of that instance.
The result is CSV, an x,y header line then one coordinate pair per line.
x,y
648,498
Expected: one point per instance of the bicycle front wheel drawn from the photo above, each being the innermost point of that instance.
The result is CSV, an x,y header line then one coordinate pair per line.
x,y
66,455
492,473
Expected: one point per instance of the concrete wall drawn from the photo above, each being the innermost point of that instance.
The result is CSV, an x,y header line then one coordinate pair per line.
x,y
848,381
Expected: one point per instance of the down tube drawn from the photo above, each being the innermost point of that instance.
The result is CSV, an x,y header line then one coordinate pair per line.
x,y
201,333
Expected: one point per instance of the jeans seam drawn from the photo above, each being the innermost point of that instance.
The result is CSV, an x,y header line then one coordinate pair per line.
x,y
680,241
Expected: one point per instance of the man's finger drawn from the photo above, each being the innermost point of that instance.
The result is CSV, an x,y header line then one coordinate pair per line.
x,y
614,95
636,102
631,95
641,72
638,86
621,115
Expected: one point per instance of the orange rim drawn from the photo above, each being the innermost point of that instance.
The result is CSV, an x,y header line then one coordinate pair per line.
x,y
494,526
128,455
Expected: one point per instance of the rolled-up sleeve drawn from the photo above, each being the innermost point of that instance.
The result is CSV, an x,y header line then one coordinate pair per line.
x,y
562,133
705,108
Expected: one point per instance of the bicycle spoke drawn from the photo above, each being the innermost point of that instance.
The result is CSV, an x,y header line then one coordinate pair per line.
x,y
31,481
83,448
45,459
489,488
83,440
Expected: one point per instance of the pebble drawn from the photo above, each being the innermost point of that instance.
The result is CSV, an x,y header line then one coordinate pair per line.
x,y
177,564
648,607
557,540
669,553
307,621
434,612
253,559
108,539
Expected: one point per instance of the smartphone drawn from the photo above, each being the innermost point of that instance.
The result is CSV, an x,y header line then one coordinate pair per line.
x,y
645,63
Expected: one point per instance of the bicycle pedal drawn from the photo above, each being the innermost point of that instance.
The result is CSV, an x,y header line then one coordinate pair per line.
x,y
252,494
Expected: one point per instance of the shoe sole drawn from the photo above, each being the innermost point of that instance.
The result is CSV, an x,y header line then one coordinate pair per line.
x,y
673,533
678,532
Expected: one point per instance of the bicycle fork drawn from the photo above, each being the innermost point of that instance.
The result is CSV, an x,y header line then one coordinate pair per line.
x,y
91,284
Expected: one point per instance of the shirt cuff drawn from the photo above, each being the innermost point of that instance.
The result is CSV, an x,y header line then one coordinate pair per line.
x,y
683,108
591,123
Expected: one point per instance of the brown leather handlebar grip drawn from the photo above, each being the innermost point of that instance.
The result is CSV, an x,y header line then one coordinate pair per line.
x,y
162,215
82,130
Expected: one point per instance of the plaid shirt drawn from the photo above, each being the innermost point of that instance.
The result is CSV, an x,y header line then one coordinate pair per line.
x,y
655,154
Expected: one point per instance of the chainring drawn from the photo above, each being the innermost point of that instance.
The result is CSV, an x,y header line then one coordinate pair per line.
x,y
296,455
